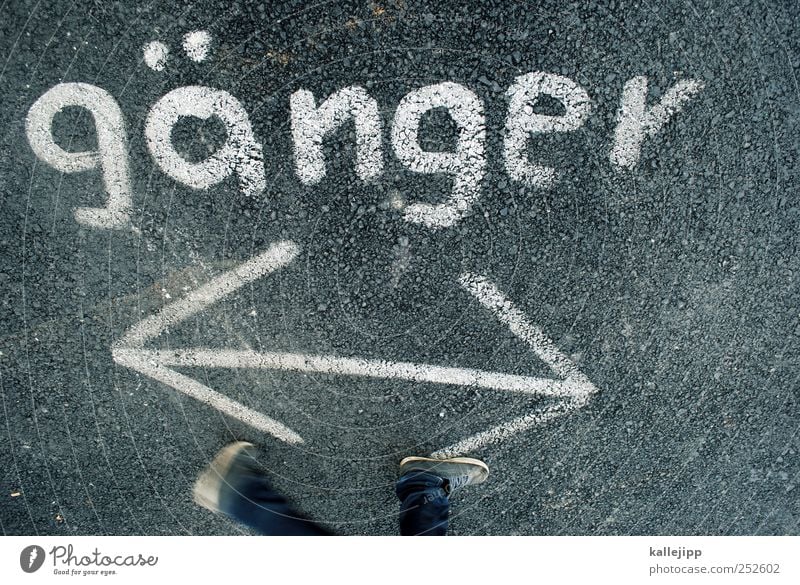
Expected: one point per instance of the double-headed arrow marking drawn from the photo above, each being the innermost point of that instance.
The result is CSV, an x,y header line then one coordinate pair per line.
x,y
572,388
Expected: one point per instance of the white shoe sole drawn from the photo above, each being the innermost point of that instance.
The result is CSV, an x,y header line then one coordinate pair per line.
x,y
209,484
483,474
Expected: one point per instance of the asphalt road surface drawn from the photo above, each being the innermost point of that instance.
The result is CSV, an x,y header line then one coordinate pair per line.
x,y
559,236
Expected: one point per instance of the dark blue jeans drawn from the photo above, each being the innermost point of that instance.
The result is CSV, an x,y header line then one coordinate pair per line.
x,y
424,505
250,499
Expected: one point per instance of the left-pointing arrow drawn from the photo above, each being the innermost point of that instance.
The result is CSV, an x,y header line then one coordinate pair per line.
x,y
129,350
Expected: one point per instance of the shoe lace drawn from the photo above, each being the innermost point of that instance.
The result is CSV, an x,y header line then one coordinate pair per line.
x,y
455,482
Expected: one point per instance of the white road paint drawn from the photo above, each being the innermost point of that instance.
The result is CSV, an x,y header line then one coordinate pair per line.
x,y
579,385
111,154
241,154
571,387
197,44
369,368
466,164
521,121
635,121
504,431
311,123
155,55
138,360
490,297
277,256
127,352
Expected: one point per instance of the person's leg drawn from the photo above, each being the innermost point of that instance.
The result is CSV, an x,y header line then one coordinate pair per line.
x,y
424,490
234,485
424,505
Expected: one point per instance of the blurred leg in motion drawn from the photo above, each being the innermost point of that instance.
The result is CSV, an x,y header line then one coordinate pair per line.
x,y
234,485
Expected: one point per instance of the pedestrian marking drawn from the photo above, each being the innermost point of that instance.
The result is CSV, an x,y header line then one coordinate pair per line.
x,y
371,368
156,54
635,121
503,431
490,297
522,121
571,387
580,388
197,45
242,153
466,164
141,362
111,155
127,352
311,123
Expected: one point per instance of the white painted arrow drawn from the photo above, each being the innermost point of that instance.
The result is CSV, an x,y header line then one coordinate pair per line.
x,y
572,388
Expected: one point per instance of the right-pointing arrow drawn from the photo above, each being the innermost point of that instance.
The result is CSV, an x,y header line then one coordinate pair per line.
x,y
574,387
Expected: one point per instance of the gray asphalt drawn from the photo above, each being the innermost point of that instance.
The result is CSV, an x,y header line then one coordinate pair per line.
x,y
673,287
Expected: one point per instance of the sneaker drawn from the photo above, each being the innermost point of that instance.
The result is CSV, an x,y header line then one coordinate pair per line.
x,y
456,471
231,460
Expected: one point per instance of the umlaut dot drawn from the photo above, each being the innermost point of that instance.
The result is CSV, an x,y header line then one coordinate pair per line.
x,y
197,44
155,55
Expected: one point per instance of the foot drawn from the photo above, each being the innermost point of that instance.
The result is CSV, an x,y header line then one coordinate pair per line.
x,y
230,462
456,471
